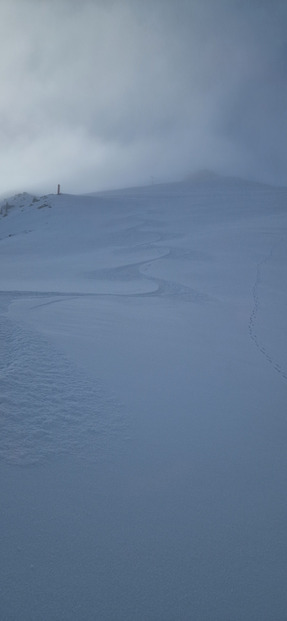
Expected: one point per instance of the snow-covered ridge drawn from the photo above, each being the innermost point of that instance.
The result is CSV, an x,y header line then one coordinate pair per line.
x,y
143,365
22,201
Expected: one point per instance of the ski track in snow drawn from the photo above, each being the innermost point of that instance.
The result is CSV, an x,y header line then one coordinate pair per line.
x,y
168,287
43,412
42,406
48,407
254,315
140,269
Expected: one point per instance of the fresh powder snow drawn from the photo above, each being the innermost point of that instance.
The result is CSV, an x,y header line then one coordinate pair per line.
x,y
143,377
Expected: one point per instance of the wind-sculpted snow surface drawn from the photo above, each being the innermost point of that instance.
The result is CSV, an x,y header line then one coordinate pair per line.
x,y
143,379
48,407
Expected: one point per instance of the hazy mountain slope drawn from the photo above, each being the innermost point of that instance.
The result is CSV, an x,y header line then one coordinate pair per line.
x,y
143,381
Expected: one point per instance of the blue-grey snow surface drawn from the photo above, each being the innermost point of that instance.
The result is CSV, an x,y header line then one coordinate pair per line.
x,y
143,420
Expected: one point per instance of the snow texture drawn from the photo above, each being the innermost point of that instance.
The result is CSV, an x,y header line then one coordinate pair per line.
x,y
143,377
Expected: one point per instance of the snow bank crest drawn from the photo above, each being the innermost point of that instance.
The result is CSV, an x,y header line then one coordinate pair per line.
x,y
22,201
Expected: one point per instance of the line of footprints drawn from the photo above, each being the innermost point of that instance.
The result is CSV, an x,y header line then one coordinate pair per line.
x,y
253,317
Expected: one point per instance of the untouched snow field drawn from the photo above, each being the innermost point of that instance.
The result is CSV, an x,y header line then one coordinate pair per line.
x,y
143,377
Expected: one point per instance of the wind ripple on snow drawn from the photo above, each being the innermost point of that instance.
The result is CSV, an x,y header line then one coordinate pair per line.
x,y
48,407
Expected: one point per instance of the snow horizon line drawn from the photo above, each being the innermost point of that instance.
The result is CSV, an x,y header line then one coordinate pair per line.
x,y
198,176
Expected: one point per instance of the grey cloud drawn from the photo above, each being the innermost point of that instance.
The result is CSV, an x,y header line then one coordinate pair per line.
x,y
98,94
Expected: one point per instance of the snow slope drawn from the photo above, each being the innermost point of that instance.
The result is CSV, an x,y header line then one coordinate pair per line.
x,y
143,403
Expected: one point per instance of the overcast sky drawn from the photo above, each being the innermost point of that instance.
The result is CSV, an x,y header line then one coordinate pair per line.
x,y
101,94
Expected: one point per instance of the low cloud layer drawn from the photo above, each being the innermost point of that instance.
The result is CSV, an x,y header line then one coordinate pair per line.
x,y
102,94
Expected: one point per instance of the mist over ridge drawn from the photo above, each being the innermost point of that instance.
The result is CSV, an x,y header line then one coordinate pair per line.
x,y
99,95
